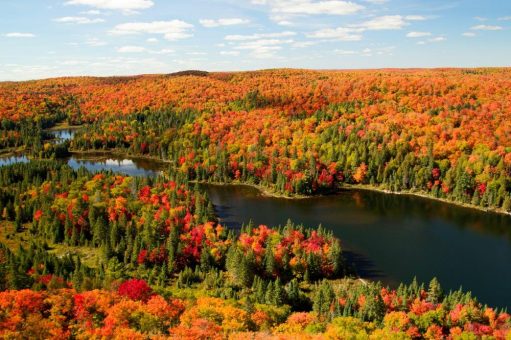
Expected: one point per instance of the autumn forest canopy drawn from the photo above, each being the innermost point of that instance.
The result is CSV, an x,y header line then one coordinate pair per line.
x,y
86,254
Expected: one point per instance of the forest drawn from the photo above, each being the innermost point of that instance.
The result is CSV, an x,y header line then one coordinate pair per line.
x,y
99,254
442,133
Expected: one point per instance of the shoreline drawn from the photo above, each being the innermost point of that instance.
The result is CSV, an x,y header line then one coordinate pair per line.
x,y
267,191
64,126
425,196
264,191
117,153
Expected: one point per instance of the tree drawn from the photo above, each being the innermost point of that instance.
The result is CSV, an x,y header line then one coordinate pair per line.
x,y
435,293
135,289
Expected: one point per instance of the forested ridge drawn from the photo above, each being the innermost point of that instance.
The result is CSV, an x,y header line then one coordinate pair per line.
x,y
444,133
86,255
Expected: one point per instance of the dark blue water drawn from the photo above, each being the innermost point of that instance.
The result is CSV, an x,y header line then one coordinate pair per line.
x,y
394,237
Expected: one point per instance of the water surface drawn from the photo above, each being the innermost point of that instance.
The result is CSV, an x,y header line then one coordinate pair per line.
x,y
394,237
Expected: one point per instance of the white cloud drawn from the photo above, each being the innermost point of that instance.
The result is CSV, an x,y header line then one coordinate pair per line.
x,y
223,22
505,18
152,40
285,23
354,32
437,39
95,42
387,22
263,48
432,40
91,12
377,2
230,53
345,52
469,34
131,49
418,34
126,6
78,20
171,30
480,18
340,33
162,51
19,35
259,36
415,18
310,7
141,49
303,44
486,28
366,52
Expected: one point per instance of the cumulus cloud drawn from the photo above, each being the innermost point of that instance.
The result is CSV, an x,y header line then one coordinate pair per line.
x,y
78,20
469,34
19,35
171,30
91,12
437,39
262,48
141,49
486,28
345,52
377,2
354,32
259,36
131,49
126,6
230,53
415,18
339,33
303,44
386,22
223,22
309,7
95,42
432,40
418,34
366,52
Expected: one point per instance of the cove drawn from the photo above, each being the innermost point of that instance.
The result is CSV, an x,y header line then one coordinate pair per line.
x,y
391,237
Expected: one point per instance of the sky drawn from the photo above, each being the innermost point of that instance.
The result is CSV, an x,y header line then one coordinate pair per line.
x,y
50,38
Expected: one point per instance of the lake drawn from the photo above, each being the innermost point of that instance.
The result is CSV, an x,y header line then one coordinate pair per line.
x,y
388,237
393,238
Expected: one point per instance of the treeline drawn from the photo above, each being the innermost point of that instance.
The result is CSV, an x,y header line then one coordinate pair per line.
x,y
439,132
337,153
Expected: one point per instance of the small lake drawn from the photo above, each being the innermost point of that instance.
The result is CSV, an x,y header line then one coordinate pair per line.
x,y
95,162
126,166
391,238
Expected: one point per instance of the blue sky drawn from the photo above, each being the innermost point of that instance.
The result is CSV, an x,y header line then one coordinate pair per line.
x,y
48,38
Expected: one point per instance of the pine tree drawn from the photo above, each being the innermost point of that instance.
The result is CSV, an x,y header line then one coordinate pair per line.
x,y
507,203
435,293
269,262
